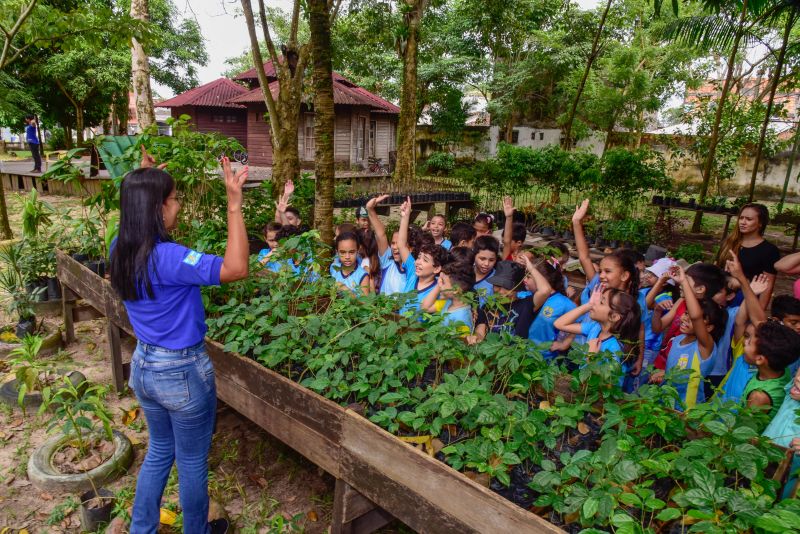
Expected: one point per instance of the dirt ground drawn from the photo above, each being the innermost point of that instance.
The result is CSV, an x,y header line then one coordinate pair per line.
x,y
263,485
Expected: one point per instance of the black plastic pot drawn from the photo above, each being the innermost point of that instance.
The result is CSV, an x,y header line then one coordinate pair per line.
x,y
94,517
547,231
98,267
80,258
613,244
567,235
692,202
658,200
53,289
24,327
600,242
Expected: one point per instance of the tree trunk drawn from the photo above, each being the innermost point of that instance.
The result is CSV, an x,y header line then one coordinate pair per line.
x,y
566,142
609,133
79,124
714,138
405,168
140,70
795,146
776,78
68,137
320,27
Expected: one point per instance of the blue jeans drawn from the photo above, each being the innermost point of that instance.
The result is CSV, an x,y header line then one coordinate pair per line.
x,y
176,390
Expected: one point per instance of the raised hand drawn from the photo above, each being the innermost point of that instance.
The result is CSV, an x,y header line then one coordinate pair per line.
x,y
288,189
233,184
734,266
759,284
148,161
508,206
580,211
374,201
596,296
405,208
677,274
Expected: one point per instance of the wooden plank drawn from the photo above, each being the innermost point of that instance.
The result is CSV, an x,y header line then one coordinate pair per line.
x,y
81,280
351,503
303,420
415,487
67,304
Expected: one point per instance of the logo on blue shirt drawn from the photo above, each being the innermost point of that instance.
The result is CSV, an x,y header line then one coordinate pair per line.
x,y
192,258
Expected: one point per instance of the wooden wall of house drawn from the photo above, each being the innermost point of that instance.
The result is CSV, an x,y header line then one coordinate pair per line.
x,y
259,147
227,121
342,136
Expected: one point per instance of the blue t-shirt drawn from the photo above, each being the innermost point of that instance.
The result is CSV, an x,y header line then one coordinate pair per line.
x,y
587,291
722,352
459,316
393,274
175,318
542,329
30,134
591,330
411,285
688,357
652,341
351,281
446,244
484,288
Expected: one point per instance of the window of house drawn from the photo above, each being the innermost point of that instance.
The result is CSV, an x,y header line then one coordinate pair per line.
x,y
361,138
541,136
515,137
231,118
392,137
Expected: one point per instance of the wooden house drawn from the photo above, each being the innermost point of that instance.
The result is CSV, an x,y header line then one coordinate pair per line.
x,y
210,109
366,124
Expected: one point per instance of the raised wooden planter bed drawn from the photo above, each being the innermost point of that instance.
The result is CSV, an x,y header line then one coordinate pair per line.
x,y
377,475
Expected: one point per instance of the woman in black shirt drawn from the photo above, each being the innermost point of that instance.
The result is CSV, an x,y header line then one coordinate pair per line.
x,y
756,254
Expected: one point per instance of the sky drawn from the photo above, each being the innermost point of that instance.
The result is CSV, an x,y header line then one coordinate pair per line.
x,y
226,33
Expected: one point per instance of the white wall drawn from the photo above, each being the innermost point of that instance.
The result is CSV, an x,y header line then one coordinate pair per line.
x,y
541,137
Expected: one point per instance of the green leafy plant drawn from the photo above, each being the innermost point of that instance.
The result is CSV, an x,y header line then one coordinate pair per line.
x,y
691,252
80,412
31,373
35,214
440,163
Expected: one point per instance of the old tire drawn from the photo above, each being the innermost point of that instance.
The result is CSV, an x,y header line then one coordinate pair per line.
x,y
9,391
46,477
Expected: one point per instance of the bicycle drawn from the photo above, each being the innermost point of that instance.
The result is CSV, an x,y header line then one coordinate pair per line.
x,y
377,166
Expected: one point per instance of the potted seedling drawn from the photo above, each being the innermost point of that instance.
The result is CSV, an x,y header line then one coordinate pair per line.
x,y
87,452
12,283
31,375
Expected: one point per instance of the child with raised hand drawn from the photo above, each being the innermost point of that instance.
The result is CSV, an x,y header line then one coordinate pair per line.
x,y
693,350
514,234
393,272
486,251
284,213
549,302
436,225
483,224
421,272
455,280
462,235
349,274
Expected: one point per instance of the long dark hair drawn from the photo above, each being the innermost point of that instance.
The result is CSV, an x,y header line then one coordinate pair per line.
x,y
734,241
626,328
141,226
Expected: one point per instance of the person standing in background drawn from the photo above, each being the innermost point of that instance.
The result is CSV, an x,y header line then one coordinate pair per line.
x,y
32,139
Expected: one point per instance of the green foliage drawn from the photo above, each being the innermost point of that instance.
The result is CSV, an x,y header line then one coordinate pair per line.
x,y
77,410
58,139
12,282
31,374
34,214
440,163
691,252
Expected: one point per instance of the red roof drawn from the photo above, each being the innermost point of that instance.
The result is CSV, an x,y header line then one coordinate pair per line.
x,y
216,94
252,75
345,93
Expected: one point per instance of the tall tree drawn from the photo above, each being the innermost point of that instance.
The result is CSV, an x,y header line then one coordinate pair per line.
x,y
408,47
320,26
790,18
140,69
283,108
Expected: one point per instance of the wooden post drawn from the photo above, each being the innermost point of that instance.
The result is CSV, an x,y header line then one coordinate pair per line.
x,y
355,514
116,356
67,305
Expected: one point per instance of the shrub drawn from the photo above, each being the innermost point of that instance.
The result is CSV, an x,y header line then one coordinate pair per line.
x,y
58,139
691,252
440,163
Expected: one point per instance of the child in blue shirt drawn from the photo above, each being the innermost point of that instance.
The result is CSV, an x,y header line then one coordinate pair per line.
x,y
693,349
549,302
455,280
614,325
270,233
349,274
784,429
462,235
436,226
486,250
421,272
393,271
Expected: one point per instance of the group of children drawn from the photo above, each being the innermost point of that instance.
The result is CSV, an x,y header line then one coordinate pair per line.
x,y
655,320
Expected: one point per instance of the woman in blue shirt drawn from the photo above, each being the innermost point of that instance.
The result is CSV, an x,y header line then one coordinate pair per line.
x,y
171,374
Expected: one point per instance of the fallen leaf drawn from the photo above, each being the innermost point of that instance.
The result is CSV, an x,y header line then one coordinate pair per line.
x,y
437,445
312,516
544,405
134,441
262,482
583,428
129,416
46,496
481,478
10,479
167,517
15,423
